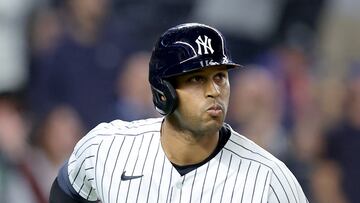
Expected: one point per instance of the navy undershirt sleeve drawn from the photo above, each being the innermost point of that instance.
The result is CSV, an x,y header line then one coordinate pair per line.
x,y
62,190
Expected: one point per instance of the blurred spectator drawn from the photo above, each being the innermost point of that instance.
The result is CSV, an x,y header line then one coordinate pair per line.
x,y
135,102
341,163
292,69
326,185
16,185
338,39
27,171
44,31
339,49
306,144
13,127
255,109
80,68
14,17
330,97
54,140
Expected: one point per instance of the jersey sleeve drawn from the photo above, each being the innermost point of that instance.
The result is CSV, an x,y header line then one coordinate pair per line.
x,y
284,187
81,167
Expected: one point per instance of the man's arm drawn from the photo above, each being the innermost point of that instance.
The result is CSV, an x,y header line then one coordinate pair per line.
x,y
57,195
62,190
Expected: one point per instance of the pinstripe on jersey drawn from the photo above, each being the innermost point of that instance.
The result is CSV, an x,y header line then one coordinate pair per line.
x,y
240,172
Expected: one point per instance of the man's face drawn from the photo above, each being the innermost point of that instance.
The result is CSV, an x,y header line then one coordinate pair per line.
x,y
203,99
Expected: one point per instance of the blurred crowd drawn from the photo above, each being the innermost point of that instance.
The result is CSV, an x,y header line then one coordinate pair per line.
x,y
66,66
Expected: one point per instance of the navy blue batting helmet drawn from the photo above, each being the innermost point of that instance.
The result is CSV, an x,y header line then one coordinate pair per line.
x,y
182,49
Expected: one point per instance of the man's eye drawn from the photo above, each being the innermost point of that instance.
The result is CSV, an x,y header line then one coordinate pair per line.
x,y
196,79
220,76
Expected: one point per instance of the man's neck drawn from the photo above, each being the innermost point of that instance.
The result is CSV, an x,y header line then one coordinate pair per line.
x,y
183,147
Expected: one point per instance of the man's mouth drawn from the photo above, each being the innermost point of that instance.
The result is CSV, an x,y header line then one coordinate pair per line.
x,y
215,110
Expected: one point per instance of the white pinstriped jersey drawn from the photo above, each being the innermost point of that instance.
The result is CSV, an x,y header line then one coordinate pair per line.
x,y
240,172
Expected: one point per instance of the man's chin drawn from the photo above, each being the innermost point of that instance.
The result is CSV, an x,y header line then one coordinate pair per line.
x,y
216,122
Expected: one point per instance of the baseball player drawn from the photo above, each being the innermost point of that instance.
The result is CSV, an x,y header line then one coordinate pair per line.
x,y
189,154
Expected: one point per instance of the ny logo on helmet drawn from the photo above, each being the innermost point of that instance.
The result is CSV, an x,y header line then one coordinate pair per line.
x,y
205,44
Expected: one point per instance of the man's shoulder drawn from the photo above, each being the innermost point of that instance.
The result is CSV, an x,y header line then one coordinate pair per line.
x,y
127,128
105,133
283,182
245,148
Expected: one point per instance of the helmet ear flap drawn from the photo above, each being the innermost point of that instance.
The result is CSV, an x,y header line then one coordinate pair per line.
x,y
166,100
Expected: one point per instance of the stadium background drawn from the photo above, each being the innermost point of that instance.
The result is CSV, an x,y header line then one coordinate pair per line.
x,y
67,65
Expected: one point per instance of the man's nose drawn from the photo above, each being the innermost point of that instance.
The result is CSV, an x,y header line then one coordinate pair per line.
x,y
212,89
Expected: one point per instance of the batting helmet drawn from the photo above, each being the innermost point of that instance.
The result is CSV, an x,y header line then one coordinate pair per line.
x,y
182,49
